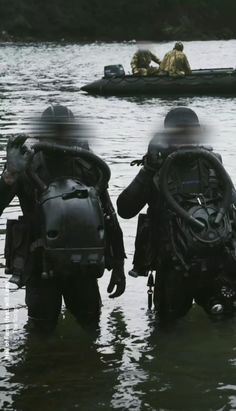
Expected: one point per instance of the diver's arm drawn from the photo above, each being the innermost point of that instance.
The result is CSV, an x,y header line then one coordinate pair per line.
x,y
17,160
114,235
117,234
131,201
155,58
7,190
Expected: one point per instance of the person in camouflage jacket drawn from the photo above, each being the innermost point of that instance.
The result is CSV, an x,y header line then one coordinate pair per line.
x,y
141,63
175,62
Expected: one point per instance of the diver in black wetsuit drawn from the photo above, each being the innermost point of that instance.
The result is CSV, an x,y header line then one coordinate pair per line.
x,y
188,234
44,291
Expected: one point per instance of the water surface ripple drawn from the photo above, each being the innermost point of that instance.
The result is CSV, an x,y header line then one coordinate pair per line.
x,y
129,364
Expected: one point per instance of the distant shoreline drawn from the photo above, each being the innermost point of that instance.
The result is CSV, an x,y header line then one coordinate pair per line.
x,y
118,21
82,40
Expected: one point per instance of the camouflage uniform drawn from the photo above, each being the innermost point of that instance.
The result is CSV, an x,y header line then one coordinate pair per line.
x,y
175,63
141,61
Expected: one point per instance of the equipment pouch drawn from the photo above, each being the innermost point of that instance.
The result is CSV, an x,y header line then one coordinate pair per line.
x,y
17,250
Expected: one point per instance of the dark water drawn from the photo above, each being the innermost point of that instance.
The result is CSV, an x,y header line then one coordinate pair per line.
x,y
129,364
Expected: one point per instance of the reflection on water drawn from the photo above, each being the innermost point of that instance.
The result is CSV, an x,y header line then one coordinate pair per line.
x,y
128,363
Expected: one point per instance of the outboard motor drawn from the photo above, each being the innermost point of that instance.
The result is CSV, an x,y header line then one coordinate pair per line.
x,y
116,70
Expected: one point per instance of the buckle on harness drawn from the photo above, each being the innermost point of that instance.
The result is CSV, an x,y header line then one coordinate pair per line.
x,y
36,244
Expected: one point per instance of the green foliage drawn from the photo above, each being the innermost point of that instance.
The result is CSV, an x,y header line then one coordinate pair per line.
x,y
118,19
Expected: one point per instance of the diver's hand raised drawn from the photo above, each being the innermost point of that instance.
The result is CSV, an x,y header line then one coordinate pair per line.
x,y
117,280
17,158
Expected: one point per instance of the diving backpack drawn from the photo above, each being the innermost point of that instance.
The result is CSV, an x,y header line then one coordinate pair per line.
x,y
195,217
198,213
70,219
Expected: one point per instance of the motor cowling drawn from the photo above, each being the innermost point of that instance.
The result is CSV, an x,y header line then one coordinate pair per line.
x,y
116,70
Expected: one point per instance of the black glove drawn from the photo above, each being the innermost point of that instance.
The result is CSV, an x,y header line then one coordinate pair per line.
x,y
149,163
17,157
152,160
117,280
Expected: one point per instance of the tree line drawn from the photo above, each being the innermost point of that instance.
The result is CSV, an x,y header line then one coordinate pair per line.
x,y
111,20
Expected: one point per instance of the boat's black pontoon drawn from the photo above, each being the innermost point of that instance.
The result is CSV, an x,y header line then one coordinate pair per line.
x,y
200,82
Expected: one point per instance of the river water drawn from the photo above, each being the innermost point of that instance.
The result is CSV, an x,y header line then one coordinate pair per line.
x,y
129,364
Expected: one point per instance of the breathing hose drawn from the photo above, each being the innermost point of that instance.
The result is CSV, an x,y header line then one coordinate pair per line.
x,y
194,153
46,147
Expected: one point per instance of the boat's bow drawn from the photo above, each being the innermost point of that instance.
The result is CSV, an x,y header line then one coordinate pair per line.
x,y
94,87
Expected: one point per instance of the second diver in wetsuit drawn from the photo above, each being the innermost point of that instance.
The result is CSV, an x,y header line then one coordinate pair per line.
x,y
188,235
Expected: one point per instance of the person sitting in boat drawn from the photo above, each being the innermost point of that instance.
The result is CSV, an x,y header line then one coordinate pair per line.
x,y
175,62
141,62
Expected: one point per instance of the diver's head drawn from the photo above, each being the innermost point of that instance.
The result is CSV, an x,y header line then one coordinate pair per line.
x,y
179,46
58,125
181,117
182,126
57,114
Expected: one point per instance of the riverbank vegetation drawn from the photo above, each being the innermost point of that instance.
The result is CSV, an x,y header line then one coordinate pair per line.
x,y
111,20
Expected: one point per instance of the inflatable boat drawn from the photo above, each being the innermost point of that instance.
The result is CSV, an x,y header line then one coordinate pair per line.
x,y
201,82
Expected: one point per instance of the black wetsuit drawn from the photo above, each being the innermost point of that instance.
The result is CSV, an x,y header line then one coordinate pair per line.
x,y
180,290
80,293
